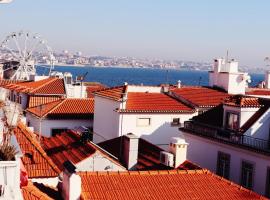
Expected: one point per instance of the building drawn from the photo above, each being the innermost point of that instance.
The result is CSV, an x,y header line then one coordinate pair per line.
x,y
60,115
146,111
232,140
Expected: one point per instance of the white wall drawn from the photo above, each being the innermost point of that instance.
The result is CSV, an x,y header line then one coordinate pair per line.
x,y
75,91
106,120
139,88
47,124
244,113
98,162
204,153
160,130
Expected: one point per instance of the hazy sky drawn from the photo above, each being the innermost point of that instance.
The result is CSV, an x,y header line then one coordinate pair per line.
x,y
196,30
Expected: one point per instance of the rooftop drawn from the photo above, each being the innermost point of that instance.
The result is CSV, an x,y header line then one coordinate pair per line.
x,y
40,100
148,154
154,102
93,87
52,86
114,93
243,101
166,184
35,159
68,146
202,97
258,91
65,108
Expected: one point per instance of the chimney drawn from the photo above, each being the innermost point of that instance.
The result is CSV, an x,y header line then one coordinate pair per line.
x,y
130,150
71,184
178,147
267,79
178,84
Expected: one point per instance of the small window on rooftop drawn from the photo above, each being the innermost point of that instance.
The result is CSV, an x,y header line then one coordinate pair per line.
x,y
143,121
232,121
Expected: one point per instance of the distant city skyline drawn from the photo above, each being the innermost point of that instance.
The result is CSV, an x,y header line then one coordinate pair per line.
x,y
173,30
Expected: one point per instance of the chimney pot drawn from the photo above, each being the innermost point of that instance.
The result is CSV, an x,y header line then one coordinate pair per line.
x,y
130,150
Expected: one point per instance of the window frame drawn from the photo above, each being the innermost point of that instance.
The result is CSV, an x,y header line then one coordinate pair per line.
x,y
176,123
227,119
252,175
137,121
225,155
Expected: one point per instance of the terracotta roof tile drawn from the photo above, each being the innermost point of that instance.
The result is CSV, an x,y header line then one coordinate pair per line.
x,y
39,191
154,102
168,184
148,155
35,159
201,96
4,82
258,91
92,88
54,86
67,146
115,93
40,100
243,101
65,108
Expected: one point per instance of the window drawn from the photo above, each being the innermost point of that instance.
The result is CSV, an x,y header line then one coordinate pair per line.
x,y
20,100
223,165
175,121
232,121
56,131
143,121
267,186
247,175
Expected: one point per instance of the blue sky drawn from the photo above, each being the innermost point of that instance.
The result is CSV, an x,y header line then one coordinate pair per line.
x,y
167,29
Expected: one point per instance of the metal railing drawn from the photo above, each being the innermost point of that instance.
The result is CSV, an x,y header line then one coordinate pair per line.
x,y
227,136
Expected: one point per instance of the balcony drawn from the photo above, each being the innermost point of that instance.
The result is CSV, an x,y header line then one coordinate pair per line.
x,y
227,136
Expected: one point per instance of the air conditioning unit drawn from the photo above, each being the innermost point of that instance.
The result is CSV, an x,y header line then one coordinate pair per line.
x,y
167,158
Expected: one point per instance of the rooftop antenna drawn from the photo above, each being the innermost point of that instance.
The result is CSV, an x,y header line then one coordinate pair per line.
x,y
167,76
227,56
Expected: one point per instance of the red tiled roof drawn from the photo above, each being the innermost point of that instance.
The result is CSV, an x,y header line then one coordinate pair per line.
x,y
91,88
40,100
31,192
258,91
154,102
164,184
69,107
35,159
4,82
67,146
200,96
53,86
148,154
243,101
115,93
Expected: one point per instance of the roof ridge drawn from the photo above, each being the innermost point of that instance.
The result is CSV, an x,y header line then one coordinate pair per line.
x,y
38,147
33,190
52,79
56,106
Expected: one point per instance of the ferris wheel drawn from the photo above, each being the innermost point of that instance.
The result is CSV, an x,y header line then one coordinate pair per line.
x,y
22,51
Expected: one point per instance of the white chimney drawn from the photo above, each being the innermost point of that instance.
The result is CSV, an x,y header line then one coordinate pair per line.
x,y
178,84
71,184
130,150
267,79
178,147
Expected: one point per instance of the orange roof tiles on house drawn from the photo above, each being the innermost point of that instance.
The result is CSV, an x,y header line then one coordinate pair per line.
x,y
148,154
258,91
115,93
49,86
92,88
68,146
202,97
154,102
243,101
65,108
165,184
35,159
40,100
4,82
31,192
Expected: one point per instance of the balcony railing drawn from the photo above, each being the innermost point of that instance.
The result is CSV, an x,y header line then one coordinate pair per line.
x,y
227,136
